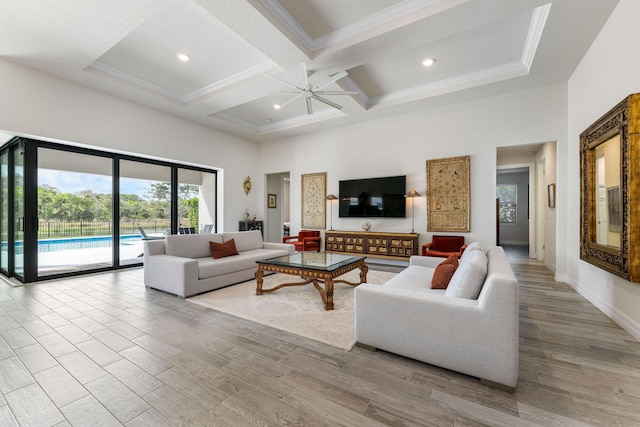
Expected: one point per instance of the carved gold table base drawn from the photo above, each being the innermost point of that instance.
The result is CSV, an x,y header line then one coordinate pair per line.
x,y
323,281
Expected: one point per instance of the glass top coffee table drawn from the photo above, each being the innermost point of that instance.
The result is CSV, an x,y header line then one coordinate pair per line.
x,y
319,268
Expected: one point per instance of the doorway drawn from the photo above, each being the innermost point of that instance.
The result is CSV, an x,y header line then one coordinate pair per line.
x,y
277,206
539,162
512,192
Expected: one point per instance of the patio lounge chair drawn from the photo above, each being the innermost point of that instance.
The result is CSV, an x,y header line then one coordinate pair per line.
x,y
145,236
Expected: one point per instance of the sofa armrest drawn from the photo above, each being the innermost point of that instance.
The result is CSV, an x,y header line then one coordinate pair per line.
x,y
170,273
477,337
154,247
286,239
425,261
280,246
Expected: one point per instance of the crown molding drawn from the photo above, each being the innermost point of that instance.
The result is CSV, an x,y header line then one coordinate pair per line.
x,y
441,87
189,97
477,78
374,25
536,27
326,114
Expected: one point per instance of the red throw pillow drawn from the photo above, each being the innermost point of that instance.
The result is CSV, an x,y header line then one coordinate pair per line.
x,y
451,259
220,250
444,272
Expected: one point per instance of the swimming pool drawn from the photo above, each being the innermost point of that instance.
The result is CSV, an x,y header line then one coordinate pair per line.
x,y
57,245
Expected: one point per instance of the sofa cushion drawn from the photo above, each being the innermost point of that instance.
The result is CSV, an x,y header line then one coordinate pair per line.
x,y
245,240
474,246
190,245
443,272
415,278
447,243
221,250
468,279
210,267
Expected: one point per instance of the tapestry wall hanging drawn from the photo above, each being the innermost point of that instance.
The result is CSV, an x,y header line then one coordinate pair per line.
x,y
314,189
448,194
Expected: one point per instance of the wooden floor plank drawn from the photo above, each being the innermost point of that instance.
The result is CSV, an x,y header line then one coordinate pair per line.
x,y
104,349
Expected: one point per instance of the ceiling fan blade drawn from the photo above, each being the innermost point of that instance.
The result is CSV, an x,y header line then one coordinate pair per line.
x,y
290,101
336,92
282,81
326,101
305,76
332,78
309,107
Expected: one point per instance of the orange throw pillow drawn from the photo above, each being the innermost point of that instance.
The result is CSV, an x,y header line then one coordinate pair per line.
x,y
444,272
220,250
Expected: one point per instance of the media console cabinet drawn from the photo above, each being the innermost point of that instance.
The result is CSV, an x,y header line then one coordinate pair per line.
x,y
374,244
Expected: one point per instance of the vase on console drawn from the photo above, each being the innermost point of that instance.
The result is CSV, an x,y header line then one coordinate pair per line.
x,y
366,226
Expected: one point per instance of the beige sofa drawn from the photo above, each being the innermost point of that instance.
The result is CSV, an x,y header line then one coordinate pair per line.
x,y
476,335
182,264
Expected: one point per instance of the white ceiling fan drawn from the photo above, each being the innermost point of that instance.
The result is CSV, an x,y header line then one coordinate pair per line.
x,y
310,91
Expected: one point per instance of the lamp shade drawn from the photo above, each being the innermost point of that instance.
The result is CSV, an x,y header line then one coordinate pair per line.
x,y
413,193
331,197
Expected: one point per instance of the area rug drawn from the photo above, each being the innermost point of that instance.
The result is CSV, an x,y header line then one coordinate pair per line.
x,y
295,309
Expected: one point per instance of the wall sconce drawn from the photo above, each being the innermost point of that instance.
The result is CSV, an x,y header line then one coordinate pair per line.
x,y
247,185
331,198
412,194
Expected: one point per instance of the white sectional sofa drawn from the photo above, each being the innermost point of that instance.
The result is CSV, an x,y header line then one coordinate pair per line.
x,y
182,264
477,336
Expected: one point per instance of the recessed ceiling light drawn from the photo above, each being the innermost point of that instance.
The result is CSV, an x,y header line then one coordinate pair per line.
x,y
428,62
277,106
183,57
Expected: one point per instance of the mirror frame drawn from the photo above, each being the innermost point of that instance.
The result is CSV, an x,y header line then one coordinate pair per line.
x,y
623,119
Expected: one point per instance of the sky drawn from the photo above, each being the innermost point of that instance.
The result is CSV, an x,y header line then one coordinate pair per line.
x,y
73,182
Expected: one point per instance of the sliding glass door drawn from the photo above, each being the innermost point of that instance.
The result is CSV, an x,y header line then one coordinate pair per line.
x,y
75,206
68,210
196,200
4,212
145,206
18,212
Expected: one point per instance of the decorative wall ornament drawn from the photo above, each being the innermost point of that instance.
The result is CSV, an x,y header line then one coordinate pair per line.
x,y
247,185
448,194
314,188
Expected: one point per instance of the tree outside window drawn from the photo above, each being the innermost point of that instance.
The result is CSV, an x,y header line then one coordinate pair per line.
x,y
508,196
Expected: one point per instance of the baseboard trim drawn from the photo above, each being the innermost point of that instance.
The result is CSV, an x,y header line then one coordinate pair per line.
x,y
626,323
550,266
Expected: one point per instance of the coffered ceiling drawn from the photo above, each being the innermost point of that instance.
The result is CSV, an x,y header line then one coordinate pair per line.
x,y
245,56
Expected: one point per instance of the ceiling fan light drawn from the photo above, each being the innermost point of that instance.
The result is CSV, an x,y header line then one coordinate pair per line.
x,y
428,62
183,57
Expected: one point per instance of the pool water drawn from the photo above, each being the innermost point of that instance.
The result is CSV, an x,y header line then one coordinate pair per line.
x,y
57,245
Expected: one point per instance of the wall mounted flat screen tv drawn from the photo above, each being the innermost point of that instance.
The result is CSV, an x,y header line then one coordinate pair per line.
x,y
373,197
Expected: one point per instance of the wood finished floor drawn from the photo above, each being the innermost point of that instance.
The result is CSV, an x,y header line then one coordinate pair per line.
x,y
102,350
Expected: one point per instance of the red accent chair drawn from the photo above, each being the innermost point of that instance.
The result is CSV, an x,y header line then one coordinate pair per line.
x,y
444,246
306,240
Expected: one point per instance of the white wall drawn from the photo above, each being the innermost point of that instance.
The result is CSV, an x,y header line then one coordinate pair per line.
x,y
606,75
42,106
401,145
548,161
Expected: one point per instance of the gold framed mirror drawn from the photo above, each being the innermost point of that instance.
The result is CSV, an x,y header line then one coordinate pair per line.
x,y
609,191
